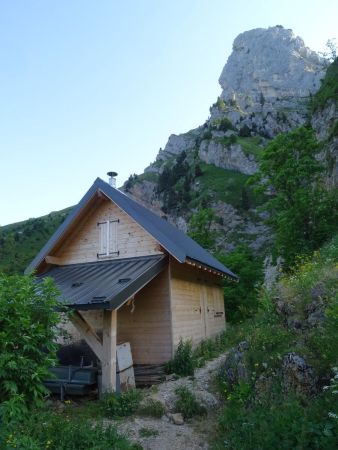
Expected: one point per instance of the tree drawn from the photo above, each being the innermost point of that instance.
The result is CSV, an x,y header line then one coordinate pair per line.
x,y
28,330
200,228
241,298
303,214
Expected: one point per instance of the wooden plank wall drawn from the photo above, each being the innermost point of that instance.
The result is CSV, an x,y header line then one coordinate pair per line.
x,y
83,244
148,327
197,304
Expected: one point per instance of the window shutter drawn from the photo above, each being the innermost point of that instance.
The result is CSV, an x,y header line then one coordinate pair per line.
x,y
103,238
108,238
113,237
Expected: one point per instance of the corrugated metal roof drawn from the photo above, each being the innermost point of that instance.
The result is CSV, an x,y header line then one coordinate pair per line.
x,y
173,240
104,284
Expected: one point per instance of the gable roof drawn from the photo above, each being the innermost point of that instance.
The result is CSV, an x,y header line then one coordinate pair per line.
x,y
178,244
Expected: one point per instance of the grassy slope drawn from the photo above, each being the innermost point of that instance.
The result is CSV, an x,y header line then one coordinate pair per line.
x,y
258,413
20,242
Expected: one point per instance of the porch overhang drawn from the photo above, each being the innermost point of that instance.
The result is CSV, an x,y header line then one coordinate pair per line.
x,y
104,285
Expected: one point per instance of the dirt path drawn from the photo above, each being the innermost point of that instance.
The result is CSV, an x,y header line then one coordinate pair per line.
x,y
163,434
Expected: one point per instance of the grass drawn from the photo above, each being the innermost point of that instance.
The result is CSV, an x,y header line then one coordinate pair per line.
x,y
151,408
57,431
20,242
227,185
122,405
188,405
250,145
258,412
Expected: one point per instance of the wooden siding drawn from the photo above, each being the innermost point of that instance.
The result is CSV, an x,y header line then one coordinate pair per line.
x,y
148,327
82,245
197,304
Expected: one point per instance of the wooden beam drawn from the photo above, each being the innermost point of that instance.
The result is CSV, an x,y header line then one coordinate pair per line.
x,y
88,333
108,361
53,260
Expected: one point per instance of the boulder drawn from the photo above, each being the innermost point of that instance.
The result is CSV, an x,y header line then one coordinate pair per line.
x,y
298,376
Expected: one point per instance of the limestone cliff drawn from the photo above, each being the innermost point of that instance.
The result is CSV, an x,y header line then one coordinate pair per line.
x,y
267,85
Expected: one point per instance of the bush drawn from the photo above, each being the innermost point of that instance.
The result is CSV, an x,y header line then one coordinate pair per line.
x,y
121,405
53,431
284,423
225,125
244,131
28,328
183,362
187,404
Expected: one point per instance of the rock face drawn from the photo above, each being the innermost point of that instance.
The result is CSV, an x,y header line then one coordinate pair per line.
x,y
298,376
231,157
266,79
323,122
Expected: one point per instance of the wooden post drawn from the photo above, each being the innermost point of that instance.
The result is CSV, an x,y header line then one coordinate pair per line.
x,y
109,351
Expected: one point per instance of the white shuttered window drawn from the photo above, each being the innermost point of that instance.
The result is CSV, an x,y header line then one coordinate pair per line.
x,y
108,238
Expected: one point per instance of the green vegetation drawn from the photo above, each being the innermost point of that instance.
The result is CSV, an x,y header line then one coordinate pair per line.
x,y
241,298
227,185
259,412
187,404
200,228
28,329
174,185
151,408
20,242
55,431
328,89
251,145
303,213
122,405
134,179
182,363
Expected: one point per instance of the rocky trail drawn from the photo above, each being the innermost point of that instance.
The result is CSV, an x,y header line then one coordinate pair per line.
x,y
170,431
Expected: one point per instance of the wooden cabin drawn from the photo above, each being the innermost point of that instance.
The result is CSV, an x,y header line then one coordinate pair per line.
x,y
129,275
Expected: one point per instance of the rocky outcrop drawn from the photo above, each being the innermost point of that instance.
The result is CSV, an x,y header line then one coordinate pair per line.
x,y
234,369
324,122
298,376
267,80
229,157
177,143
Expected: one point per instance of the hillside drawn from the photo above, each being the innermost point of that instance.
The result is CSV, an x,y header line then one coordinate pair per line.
x,y
270,84
20,242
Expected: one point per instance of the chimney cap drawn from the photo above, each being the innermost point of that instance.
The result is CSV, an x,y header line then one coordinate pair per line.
x,y
112,174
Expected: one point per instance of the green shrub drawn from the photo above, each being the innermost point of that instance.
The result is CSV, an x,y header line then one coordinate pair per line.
x,y
121,405
183,362
52,431
187,404
207,349
328,90
225,125
28,328
284,423
152,408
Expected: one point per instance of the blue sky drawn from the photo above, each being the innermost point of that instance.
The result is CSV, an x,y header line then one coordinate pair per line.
x,y
92,86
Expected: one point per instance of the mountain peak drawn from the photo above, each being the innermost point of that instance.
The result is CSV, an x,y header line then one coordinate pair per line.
x,y
269,70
